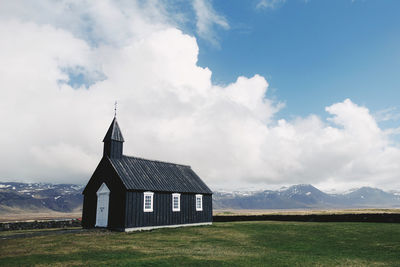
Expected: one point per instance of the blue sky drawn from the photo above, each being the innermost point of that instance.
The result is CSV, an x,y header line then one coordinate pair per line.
x,y
313,53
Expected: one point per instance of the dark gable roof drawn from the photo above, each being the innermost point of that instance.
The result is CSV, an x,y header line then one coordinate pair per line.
x,y
114,132
143,174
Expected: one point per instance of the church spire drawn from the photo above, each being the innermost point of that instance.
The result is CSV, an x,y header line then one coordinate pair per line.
x,y
113,141
114,132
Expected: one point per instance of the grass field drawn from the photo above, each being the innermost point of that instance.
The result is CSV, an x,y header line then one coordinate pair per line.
x,y
222,244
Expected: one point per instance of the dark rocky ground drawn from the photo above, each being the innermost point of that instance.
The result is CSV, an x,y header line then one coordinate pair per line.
x,y
9,226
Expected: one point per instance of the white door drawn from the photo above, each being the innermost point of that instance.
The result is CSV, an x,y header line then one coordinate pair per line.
x,y
103,197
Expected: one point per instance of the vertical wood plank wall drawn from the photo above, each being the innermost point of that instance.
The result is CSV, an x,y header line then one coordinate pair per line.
x,y
162,210
113,149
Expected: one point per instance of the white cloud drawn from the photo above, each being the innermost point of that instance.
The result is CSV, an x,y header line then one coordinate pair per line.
x,y
169,109
269,4
207,19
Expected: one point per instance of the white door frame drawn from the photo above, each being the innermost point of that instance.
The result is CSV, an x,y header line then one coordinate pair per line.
x,y
103,199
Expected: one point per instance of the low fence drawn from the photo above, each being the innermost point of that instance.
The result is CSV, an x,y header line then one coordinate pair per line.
x,y
39,225
362,217
365,217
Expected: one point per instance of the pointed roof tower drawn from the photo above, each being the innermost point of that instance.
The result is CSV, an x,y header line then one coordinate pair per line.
x,y
114,132
113,141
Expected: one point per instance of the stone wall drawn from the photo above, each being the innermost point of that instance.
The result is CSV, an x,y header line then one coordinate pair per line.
x,y
39,225
366,217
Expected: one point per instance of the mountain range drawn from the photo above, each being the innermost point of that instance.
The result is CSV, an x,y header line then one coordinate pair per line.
x,y
305,196
42,197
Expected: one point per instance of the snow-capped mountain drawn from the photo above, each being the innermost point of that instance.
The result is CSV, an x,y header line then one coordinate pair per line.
x,y
17,197
306,196
21,197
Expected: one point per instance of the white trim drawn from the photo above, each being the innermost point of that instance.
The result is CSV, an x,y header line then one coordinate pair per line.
x,y
151,195
103,189
179,202
164,226
201,202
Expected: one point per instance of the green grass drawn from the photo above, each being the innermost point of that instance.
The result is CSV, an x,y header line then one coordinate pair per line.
x,y
222,244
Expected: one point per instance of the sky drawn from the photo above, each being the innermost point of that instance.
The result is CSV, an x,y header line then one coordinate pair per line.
x,y
252,94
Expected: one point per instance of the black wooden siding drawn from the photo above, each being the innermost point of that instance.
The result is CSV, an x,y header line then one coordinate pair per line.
x,y
126,207
113,149
162,210
104,173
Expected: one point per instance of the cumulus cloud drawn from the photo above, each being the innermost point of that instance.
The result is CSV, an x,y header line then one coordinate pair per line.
x,y
169,109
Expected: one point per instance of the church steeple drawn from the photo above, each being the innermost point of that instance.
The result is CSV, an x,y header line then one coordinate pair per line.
x,y
113,141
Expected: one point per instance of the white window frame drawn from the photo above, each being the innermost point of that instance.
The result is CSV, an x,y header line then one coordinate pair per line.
x,y
151,195
201,202
174,195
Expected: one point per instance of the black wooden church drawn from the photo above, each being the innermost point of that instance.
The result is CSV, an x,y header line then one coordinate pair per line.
x,y
129,193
